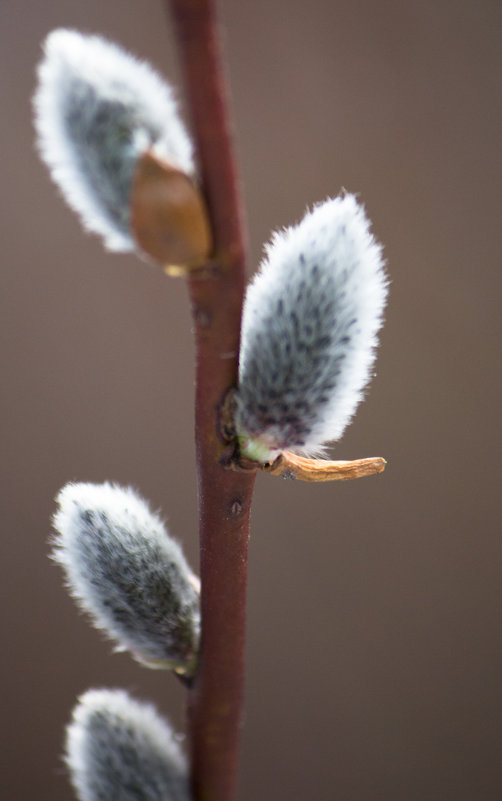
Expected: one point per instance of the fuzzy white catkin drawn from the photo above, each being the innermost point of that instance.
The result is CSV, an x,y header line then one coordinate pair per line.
x,y
97,110
127,573
118,749
310,323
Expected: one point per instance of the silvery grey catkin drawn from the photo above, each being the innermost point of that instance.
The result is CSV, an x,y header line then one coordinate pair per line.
x,y
310,323
97,110
128,574
118,749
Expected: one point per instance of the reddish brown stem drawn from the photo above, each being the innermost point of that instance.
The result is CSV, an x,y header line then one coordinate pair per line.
x,y
216,700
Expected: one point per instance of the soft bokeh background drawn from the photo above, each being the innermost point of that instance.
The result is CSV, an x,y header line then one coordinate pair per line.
x,y
375,638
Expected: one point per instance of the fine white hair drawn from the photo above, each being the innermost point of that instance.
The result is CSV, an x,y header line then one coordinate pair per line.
x,y
97,110
118,749
310,323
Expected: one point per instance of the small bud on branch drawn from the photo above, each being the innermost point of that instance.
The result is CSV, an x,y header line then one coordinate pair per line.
x,y
118,749
310,322
97,111
169,217
125,571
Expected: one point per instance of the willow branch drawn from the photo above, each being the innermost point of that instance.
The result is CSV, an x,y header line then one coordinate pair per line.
x,y
216,698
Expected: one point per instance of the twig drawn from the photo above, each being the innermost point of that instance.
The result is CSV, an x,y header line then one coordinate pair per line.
x,y
216,699
289,465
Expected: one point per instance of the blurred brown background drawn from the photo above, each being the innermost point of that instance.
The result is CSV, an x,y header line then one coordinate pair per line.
x,y
375,637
